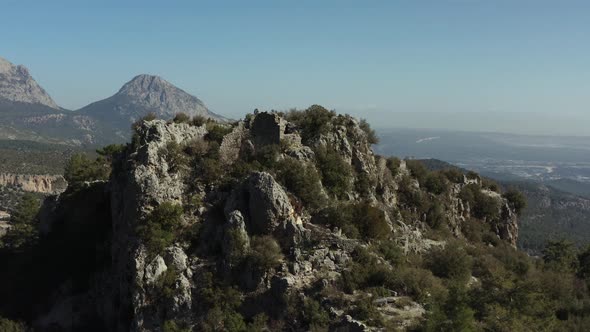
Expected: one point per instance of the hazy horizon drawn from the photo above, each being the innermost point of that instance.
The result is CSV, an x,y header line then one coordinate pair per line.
x,y
495,66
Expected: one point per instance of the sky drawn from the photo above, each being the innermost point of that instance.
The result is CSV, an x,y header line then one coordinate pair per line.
x,y
396,63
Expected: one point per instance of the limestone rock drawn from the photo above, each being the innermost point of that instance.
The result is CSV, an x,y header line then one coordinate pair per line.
x,y
154,270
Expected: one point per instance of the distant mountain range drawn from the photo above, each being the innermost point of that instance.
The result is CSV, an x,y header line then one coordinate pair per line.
x,y
27,112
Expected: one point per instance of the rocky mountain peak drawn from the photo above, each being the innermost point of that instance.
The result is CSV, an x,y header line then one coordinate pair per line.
x,y
146,94
17,85
145,83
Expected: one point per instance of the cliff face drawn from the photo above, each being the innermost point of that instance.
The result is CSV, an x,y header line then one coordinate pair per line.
x,y
225,217
45,184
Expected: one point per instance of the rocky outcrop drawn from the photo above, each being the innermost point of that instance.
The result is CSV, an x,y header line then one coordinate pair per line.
x,y
217,244
45,184
17,85
267,208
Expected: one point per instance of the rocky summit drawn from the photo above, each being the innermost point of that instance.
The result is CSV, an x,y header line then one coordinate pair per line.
x,y
279,222
17,85
143,95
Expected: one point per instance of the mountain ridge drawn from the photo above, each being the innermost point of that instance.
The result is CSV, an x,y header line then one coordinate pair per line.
x,y
27,111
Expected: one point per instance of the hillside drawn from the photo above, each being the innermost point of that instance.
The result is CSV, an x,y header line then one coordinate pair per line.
x,y
279,222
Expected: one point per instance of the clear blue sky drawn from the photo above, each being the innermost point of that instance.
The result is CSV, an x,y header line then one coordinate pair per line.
x,y
369,58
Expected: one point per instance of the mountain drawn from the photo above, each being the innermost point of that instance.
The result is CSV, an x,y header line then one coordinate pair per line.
x,y
142,95
17,85
552,214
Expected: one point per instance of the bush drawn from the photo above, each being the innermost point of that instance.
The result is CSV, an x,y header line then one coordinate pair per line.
x,y
450,262
336,173
365,272
80,168
356,220
216,132
482,205
436,183
161,227
315,316
302,180
181,118
24,231
175,157
393,165
313,122
199,120
417,170
411,197
560,255
265,252
390,251
371,135
436,217
166,284
516,200
111,151
172,326
453,174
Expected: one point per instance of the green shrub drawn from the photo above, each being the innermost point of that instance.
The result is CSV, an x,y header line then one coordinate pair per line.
x,y
161,227
216,132
371,135
393,165
265,252
172,326
516,200
360,220
25,229
175,157
181,118
335,172
450,262
560,255
366,272
80,168
313,122
302,180
411,197
436,183
417,170
436,217
110,151
198,120
166,284
148,117
390,251
482,205
364,184
268,155
490,184
453,174
315,316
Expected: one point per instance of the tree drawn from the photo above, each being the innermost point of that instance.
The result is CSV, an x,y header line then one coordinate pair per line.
x,y
336,173
516,200
313,122
560,255
181,118
24,224
80,168
161,226
371,135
